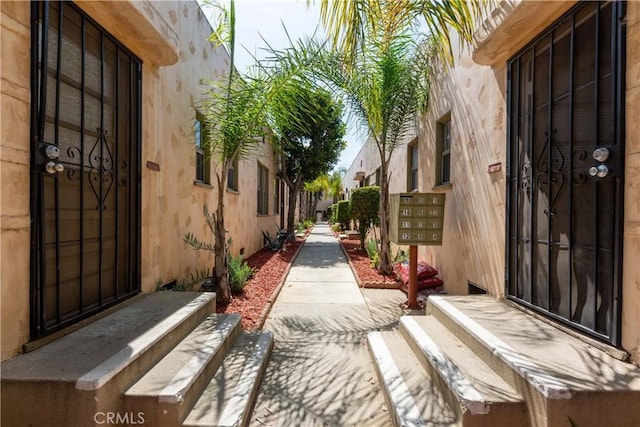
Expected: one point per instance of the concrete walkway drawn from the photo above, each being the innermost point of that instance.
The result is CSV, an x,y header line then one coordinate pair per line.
x,y
320,373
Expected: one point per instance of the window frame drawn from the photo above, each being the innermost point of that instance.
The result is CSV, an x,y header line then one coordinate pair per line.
x,y
232,177
413,170
203,165
262,190
443,128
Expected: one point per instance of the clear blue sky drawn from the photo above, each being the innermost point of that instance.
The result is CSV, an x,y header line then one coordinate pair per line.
x,y
264,19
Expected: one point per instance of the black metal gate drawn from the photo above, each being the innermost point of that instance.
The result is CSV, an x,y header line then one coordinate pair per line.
x,y
565,200
85,181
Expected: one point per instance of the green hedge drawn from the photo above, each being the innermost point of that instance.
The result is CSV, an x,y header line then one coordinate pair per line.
x,y
342,213
364,208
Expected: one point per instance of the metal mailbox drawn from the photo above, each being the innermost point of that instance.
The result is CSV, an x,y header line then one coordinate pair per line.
x,y
416,218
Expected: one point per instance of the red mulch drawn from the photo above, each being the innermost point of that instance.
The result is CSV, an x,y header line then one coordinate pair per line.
x,y
367,276
271,267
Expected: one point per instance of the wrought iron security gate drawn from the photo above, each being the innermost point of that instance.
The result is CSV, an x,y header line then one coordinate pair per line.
x,y
85,180
566,132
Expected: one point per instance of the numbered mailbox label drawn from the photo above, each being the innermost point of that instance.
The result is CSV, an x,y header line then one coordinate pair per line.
x,y
406,200
435,199
406,212
405,236
421,224
433,236
434,211
433,224
420,200
420,212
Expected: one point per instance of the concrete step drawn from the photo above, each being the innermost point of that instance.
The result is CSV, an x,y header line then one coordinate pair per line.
x,y
562,377
476,392
229,397
94,365
412,397
171,387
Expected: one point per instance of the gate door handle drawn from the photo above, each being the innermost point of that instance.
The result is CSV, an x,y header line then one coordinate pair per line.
x,y
53,167
600,171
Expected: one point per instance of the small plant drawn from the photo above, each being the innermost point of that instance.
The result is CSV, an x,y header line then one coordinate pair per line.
x,y
308,223
401,255
336,228
300,227
375,261
372,252
239,273
194,278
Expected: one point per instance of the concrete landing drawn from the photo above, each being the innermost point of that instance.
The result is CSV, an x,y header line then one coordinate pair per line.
x,y
97,351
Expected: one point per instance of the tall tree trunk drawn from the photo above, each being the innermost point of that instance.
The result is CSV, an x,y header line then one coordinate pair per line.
x,y
291,214
314,206
221,268
385,257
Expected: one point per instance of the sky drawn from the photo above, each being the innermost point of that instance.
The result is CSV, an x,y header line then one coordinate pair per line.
x,y
264,19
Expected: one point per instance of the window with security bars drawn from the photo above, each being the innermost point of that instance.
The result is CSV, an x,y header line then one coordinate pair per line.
x,y
263,190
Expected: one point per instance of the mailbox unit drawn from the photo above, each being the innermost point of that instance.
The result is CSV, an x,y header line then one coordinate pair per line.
x,y
416,218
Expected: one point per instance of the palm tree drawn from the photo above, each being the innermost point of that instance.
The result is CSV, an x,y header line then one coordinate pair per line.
x,y
350,23
238,111
335,183
382,70
316,189
386,87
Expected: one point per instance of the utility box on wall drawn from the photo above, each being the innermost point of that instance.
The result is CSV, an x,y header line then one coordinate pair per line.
x,y
416,218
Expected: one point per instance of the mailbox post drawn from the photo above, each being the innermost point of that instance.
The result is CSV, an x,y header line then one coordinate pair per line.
x,y
416,219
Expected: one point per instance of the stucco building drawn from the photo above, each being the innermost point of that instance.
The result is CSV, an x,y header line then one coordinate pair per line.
x,y
101,173
547,92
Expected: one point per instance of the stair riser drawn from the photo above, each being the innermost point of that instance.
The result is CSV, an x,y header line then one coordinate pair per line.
x,y
36,403
536,402
478,348
170,414
507,414
442,386
395,418
248,411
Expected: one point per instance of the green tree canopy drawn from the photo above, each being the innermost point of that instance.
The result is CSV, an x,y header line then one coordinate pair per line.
x,y
313,145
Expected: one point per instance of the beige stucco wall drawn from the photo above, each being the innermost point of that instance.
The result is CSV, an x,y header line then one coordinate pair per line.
x,y
473,244
631,248
474,222
473,90
171,39
14,175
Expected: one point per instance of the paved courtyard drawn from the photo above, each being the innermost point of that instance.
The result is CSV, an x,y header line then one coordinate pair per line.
x,y
320,373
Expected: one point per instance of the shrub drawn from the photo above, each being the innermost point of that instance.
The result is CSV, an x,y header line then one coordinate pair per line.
x,y
342,213
330,214
239,273
308,223
364,208
336,228
334,214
